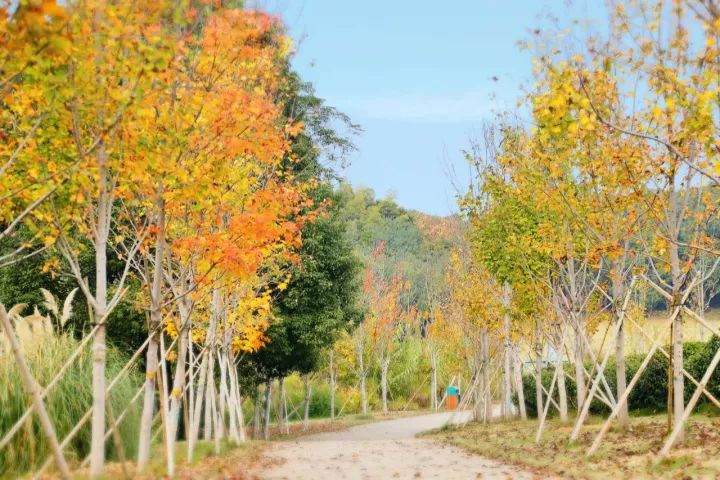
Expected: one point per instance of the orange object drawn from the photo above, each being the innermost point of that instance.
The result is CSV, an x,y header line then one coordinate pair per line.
x,y
452,402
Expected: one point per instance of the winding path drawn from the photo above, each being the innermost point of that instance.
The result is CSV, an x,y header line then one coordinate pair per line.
x,y
381,450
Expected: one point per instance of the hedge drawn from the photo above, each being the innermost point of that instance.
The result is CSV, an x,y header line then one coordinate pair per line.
x,y
650,393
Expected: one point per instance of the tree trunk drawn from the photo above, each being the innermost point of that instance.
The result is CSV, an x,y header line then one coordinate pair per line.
x,y
229,396
197,410
478,408
237,401
562,392
308,397
332,386
231,399
165,401
519,383
148,411
283,420
219,418
266,423
578,324
538,369
363,375
209,383
384,366
191,397
433,380
151,369
104,206
621,379
678,385
579,354
487,398
257,414
507,370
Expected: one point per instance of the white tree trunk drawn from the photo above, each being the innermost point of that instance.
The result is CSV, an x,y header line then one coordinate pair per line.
x,y
579,354
199,402
151,369
283,420
562,392
169,440
518,383
197,410
237,401
678,379
148,411
384,366
538,370
209,384
228,397
176,394
332,385
487,397
308,398
102,232
620,374
477,378
266,426
363,374
257,414
191,397
507,358
433,380
578,323
218,417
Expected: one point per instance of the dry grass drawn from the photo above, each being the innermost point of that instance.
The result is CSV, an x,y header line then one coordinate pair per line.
x,y
654,324
622,454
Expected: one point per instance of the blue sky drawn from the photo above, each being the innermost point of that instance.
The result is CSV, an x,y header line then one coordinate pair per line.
x,y
420,77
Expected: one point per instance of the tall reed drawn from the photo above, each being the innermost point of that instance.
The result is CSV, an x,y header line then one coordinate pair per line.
x,y
66,403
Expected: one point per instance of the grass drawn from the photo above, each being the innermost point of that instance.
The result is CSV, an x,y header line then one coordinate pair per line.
x,y
66,403
230,463
622,454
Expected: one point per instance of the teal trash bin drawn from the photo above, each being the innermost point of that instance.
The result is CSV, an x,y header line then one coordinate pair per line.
x,y
453,397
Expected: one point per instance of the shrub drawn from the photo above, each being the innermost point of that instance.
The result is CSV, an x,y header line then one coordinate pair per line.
x,y
698,363
547,376
650,393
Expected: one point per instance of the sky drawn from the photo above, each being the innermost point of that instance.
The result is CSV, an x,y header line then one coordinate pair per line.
x,y
420,77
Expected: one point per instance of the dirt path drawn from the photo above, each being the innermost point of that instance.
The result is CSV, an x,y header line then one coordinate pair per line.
x,y
381,450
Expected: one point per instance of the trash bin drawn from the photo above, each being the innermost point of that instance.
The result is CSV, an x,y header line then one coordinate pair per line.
x,y
453,397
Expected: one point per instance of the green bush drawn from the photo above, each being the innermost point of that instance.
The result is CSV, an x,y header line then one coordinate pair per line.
x,y
66,403
650,392
698,363
320,401
547,376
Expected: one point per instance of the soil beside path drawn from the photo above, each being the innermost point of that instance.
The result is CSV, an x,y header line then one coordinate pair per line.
x,y
381,450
